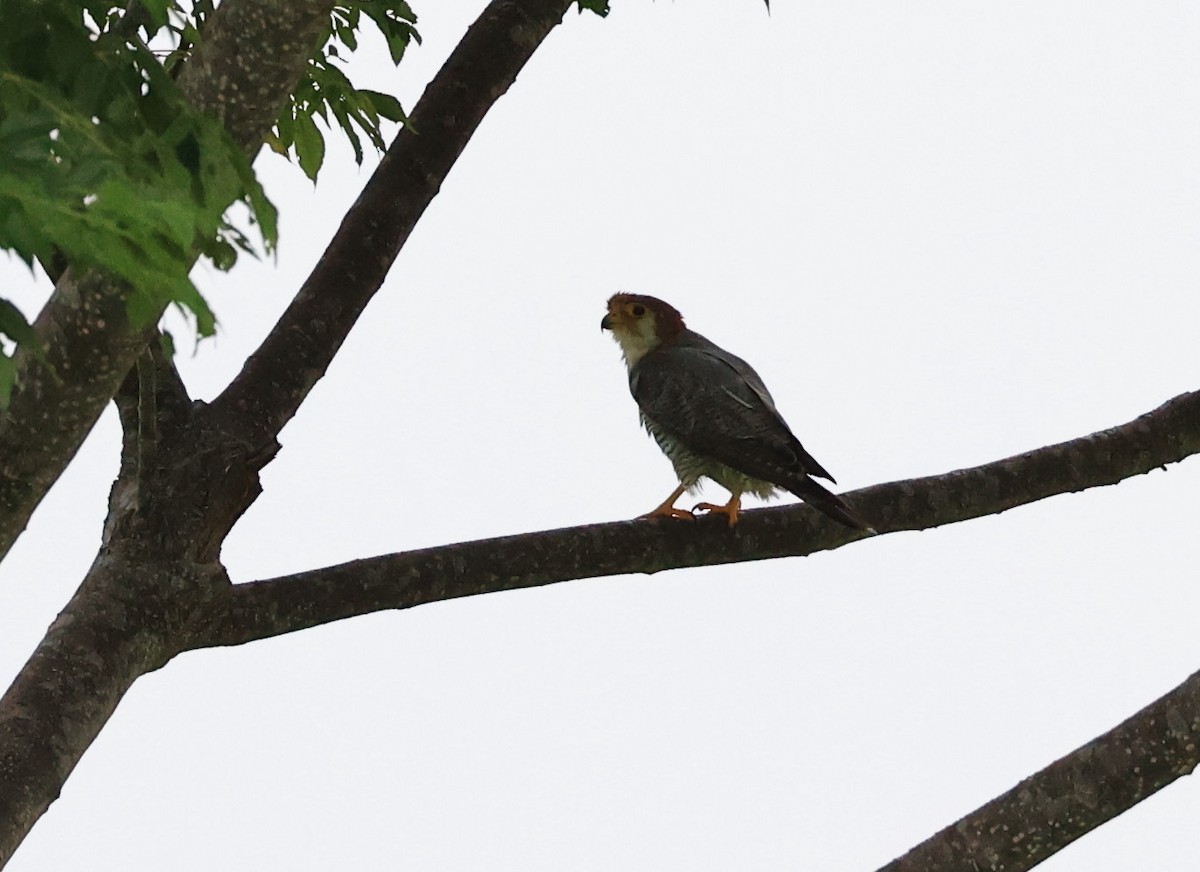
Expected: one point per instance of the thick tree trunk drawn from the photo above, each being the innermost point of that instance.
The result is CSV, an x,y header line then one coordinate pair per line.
x,y
118,626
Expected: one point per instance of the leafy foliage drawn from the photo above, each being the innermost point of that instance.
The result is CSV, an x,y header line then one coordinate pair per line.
x,y
103,164
327,91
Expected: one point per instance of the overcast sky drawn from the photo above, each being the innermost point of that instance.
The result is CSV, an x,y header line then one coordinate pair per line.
x,y
943,232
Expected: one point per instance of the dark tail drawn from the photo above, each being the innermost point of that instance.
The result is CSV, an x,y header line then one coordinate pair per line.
x,y
829,503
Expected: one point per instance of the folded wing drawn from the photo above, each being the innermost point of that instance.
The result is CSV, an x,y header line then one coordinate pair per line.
x,y
715,404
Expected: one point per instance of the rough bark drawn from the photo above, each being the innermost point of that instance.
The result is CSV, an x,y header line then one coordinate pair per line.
x,y
118,627
1072,796
251,59
294,356
252,55
267,608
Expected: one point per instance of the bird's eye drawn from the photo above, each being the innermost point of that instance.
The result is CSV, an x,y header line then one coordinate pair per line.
x,y
639,311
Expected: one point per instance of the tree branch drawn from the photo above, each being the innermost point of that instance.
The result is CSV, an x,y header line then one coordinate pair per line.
x,y
253,54
1072,796
261,609
279,375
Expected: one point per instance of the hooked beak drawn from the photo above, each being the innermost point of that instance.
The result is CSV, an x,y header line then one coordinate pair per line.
x,y
606,322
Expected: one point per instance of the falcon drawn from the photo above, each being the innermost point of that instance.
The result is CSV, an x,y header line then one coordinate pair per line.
x,y
711,414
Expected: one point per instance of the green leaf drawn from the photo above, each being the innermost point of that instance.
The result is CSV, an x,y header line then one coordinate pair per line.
x,y
167,342
310,146
8,377
14,325
395,20
276,144
343,119
222,254
600,7
157,10
190,300
385,104
345,34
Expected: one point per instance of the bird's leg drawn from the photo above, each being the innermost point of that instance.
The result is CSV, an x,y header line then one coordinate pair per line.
x,y
667,509
729,510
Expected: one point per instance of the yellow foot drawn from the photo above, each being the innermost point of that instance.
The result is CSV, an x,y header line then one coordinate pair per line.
x,y
729,510
667,508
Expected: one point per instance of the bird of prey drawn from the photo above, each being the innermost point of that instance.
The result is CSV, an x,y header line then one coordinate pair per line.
x,y
711,414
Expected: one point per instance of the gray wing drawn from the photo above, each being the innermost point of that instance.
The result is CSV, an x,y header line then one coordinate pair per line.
x,y
716,405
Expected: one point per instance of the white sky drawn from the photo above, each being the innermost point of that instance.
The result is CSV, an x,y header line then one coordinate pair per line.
x,y
943,232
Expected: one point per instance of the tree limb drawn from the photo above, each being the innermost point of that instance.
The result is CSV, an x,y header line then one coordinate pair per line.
x,y
261,609
295,355
253,54
1072,796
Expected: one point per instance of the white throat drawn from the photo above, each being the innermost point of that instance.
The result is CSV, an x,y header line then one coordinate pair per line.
x,y
638,342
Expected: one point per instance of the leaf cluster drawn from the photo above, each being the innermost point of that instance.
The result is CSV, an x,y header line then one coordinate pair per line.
x,y
328,92
104,165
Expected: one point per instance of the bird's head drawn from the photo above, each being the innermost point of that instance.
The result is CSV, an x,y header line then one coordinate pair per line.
x,y
640,324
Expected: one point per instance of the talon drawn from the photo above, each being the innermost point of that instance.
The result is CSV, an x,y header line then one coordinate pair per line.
x,y
668,510
730,510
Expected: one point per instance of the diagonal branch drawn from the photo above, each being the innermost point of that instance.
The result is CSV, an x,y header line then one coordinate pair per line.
x,y
279,375
253,54
1072,796
267,608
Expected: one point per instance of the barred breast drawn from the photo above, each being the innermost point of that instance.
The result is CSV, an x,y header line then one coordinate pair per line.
x,y
690,467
